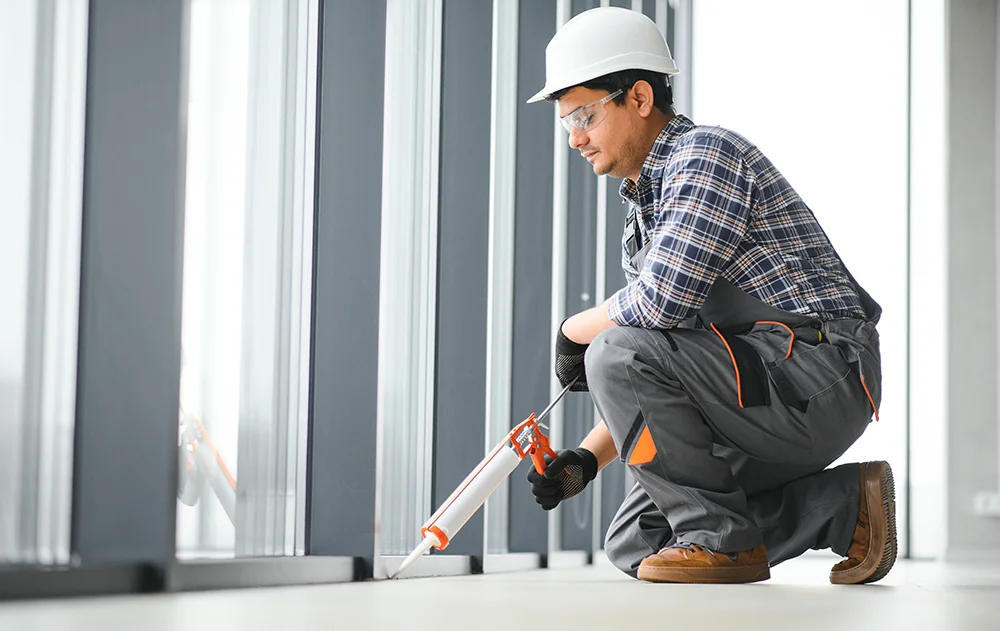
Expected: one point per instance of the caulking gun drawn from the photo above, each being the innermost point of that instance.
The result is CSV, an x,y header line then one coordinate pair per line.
x,y
526,439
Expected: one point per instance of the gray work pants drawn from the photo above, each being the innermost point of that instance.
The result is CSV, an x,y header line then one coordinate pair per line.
x,y
727,476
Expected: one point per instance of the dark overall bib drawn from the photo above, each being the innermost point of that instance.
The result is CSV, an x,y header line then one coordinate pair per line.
x,y
728,422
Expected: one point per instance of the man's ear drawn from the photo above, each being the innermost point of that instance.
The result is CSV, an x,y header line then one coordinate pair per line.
x,y
642,95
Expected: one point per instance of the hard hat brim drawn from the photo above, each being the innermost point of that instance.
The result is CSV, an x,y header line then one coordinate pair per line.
x,y
541,95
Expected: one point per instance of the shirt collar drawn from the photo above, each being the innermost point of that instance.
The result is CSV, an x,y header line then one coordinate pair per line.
x,y
652,167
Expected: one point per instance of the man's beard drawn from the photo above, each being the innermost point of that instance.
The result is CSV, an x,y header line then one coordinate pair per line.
x,y
631,158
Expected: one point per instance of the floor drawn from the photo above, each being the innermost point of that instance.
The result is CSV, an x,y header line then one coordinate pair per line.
x,y
915,595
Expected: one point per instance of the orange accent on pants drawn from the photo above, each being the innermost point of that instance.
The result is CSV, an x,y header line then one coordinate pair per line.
x,y
870,399
644,450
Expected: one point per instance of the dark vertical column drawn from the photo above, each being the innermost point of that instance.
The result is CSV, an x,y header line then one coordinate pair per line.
x,y
680,26
128,374
907,501
581,264
649,9
532,339
672,25
463,246
613,476
340,506
579,6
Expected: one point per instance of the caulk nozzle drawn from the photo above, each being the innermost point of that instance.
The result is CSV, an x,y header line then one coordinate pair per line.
x,y
418,552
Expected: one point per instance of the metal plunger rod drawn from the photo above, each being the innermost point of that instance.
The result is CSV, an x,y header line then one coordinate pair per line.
x,y
545,412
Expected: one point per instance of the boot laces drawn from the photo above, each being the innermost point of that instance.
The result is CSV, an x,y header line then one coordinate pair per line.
x,y
695,547
691,547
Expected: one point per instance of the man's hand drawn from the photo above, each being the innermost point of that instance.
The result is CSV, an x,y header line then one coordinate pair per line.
x,y
566,476
569,362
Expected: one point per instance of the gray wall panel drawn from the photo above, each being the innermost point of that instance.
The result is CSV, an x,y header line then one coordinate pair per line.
x,y
581,259
649,9
532,339
463,246
130,291
579,6
617,211
341,468
613,476
578,416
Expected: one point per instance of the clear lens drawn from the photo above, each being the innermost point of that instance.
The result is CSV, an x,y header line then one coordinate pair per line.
x,y
582,118
588,116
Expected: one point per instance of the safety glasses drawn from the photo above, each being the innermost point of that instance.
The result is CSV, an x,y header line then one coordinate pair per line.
x,y
587,116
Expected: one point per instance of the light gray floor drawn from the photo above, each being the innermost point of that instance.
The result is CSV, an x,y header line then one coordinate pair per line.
x,y
915,595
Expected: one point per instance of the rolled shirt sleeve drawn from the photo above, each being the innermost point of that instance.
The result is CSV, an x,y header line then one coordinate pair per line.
x,y
704,212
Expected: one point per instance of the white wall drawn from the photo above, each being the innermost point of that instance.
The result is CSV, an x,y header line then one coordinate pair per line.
x,y
822,89
928,281
972,441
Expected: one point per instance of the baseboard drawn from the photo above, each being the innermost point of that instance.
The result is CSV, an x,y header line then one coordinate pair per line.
x,y
511,562
204,574
972,555
28,581
428,565
601,559
568,558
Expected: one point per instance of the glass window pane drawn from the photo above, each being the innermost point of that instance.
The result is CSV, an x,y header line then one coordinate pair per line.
x,y
500,330
42,79
247,278
17,42
408,269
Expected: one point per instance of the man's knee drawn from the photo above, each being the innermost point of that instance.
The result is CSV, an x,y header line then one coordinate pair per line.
x,y
606,357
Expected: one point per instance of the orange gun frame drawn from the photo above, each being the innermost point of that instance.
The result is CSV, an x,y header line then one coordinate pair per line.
x,y
525,439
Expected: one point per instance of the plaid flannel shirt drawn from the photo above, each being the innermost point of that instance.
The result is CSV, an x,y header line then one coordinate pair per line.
x,y
713,205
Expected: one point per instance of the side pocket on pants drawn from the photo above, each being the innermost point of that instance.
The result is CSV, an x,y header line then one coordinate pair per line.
x,y
804,375
751,378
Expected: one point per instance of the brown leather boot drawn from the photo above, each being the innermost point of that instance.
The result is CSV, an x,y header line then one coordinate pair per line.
x,y
692,563
873,549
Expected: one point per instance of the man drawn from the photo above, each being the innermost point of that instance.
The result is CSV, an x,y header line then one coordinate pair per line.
x,y
740,360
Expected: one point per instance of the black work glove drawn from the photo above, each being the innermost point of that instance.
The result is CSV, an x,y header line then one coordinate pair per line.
x,y
569,362
566,476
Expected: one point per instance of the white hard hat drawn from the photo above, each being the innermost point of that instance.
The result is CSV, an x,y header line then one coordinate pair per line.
x,y
601,41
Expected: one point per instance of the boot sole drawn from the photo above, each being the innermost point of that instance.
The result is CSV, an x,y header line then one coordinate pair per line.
x,y
744,574
879,492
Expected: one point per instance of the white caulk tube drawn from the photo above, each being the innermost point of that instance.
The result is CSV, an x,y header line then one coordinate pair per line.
x,y
524,439
465,501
